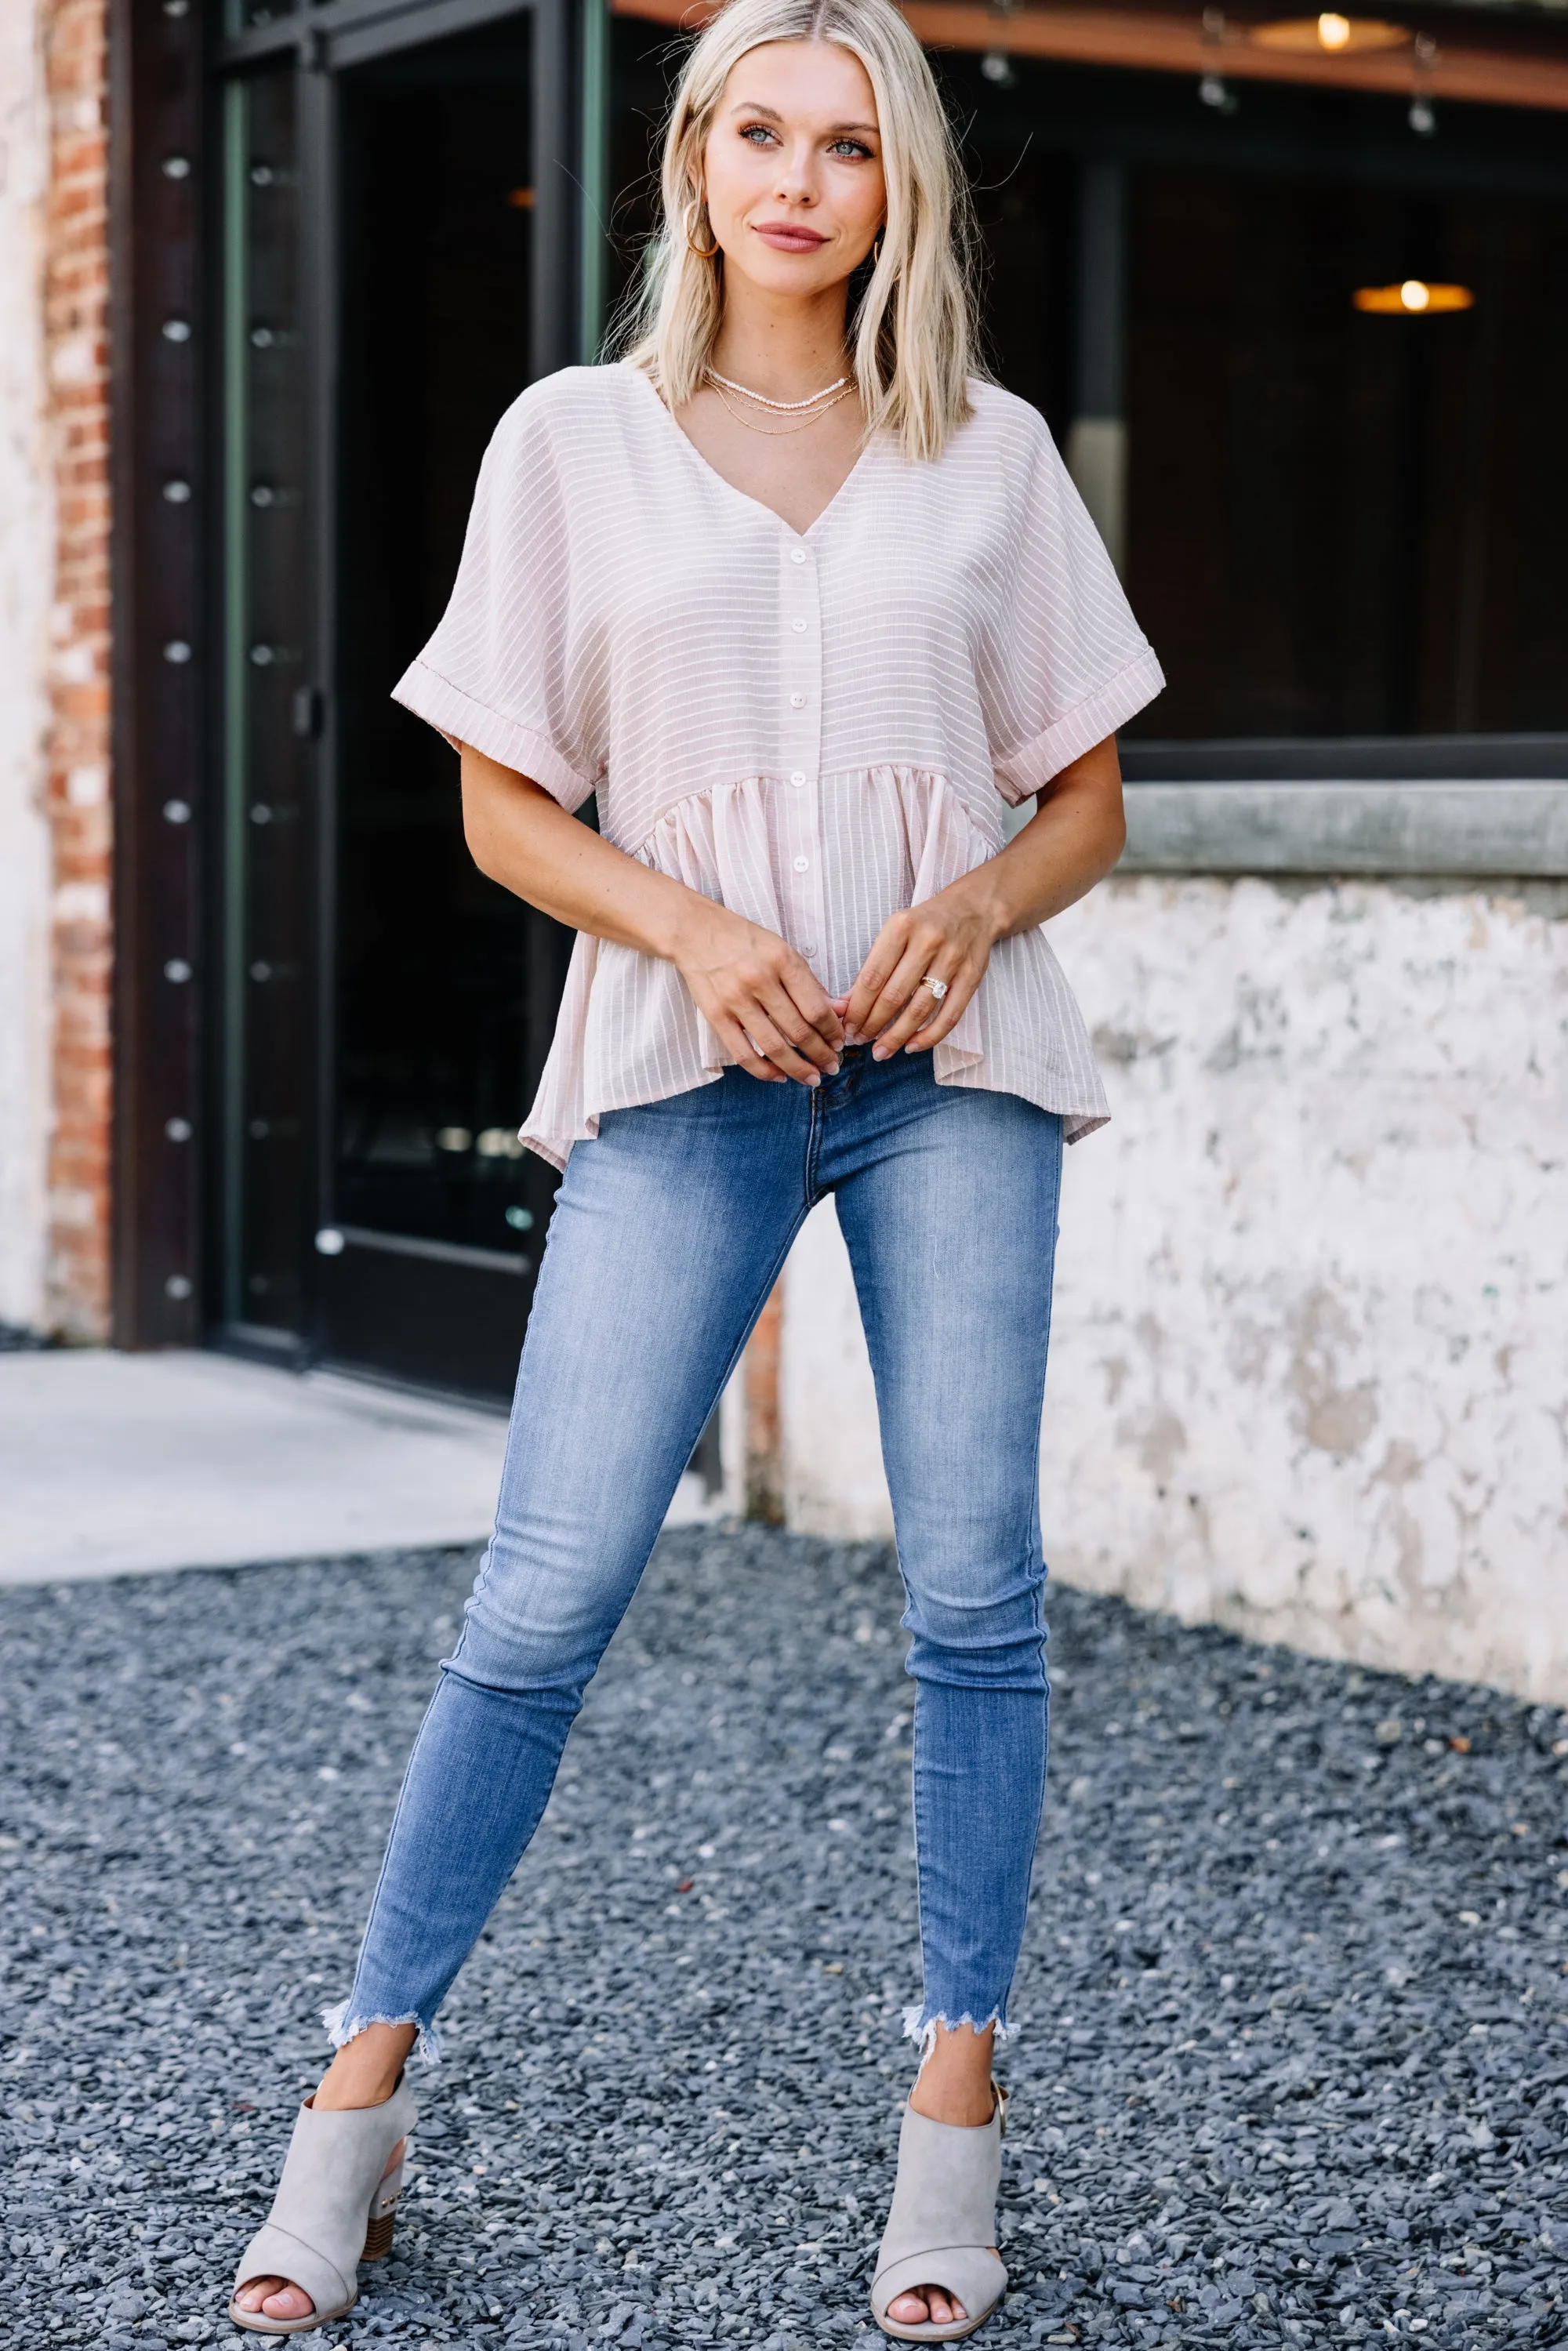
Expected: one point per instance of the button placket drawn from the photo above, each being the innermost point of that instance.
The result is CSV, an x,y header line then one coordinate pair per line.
x,y
801,743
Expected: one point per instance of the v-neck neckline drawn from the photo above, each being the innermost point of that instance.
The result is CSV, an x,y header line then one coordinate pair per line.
x,y
758,506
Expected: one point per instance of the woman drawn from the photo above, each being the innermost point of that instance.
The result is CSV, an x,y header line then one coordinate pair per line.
x,y
807,603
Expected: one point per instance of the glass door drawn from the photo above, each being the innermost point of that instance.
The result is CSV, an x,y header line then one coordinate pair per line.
x,y
386,1009
446,986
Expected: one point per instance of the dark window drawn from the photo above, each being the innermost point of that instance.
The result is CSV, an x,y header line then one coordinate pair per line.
x,y
1333,523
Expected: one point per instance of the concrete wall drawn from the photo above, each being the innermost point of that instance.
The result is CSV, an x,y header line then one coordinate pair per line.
x,y
1310,1362
26,574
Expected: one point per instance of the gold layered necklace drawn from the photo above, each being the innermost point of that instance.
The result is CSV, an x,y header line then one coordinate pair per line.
x,y
818,404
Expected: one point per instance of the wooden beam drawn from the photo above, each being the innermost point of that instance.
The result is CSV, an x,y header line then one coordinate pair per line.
x,y
1148,40
764,1432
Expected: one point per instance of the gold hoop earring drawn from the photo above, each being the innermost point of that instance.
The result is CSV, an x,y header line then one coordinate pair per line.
x,y
701,253
877,250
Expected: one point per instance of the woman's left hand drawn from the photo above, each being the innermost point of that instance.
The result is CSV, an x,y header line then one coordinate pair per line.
x,y
950,938
1074,836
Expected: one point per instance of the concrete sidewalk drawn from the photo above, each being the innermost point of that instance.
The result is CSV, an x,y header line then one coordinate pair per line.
x,y
110,1463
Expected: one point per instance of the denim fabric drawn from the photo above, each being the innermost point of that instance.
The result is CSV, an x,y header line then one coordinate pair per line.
x,y
669,1231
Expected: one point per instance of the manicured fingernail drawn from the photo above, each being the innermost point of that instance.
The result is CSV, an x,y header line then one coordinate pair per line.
x,y
834,1069
879,1052
813,1079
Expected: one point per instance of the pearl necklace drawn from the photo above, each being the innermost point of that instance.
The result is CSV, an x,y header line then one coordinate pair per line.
x,y
782,407
782,432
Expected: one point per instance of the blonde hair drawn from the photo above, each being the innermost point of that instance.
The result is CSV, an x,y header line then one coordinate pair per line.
x,y
915,328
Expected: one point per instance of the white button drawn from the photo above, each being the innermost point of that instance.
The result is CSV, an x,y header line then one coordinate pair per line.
x,y
801,863
799,776
810,951
796,702
798,627
797,555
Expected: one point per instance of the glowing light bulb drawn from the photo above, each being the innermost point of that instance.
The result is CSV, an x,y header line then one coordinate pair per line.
x,y
1330,34
1415,298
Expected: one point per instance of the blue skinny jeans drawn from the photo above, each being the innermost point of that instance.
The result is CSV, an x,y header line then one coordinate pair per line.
x,y
669,1232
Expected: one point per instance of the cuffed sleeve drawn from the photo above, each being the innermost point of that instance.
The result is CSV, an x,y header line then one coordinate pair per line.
x,y
502,671
1069,664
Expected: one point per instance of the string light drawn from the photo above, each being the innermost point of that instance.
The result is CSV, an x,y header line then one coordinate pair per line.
x,y
1328,34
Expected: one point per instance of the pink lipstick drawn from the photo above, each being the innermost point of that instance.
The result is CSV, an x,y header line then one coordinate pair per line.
x,y
790,236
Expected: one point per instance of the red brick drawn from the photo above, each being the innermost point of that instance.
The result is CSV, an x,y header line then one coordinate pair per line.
x,y
75,304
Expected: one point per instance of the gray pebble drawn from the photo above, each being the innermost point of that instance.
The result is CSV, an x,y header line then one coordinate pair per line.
x,y
1295,2060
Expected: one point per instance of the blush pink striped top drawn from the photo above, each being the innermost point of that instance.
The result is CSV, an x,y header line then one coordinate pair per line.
x,y
815,729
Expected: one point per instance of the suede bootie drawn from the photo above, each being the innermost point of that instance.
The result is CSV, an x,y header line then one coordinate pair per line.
x,y
333,2209
942,2230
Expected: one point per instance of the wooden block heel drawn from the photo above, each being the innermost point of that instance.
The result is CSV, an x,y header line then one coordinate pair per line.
x,y
378,2238
382,2214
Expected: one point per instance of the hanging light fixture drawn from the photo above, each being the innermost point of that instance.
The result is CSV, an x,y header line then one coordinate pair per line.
x,y
1414,298
1328,34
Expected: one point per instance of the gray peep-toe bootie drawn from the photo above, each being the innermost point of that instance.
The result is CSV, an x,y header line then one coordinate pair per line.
x,y
333,2209
942,2230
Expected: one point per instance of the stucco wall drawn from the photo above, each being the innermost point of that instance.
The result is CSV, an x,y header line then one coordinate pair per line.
x,y
27,572
1309,1364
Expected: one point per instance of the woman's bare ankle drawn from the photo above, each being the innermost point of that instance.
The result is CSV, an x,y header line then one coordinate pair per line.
x,y
955,2084
367,2069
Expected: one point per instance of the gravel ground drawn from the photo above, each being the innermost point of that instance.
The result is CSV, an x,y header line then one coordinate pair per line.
x,y
1295,2058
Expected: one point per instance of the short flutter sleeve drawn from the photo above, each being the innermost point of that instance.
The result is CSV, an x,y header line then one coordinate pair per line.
x,y
1067,664
501,673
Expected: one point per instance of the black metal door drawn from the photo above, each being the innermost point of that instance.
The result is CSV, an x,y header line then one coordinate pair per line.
x,y
395,268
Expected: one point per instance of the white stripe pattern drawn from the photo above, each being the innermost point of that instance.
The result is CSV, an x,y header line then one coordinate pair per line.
x,y
815,729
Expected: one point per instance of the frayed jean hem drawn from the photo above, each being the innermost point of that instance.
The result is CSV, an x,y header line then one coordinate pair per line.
x,y
921,2027
343,2028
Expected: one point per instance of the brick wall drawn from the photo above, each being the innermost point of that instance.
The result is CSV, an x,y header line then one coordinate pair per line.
x,y
75,34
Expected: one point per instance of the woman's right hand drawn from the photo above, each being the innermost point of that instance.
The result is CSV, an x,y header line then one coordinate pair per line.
x,y
761,1000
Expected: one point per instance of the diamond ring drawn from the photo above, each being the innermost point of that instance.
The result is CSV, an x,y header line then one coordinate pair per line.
x,y
938,987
